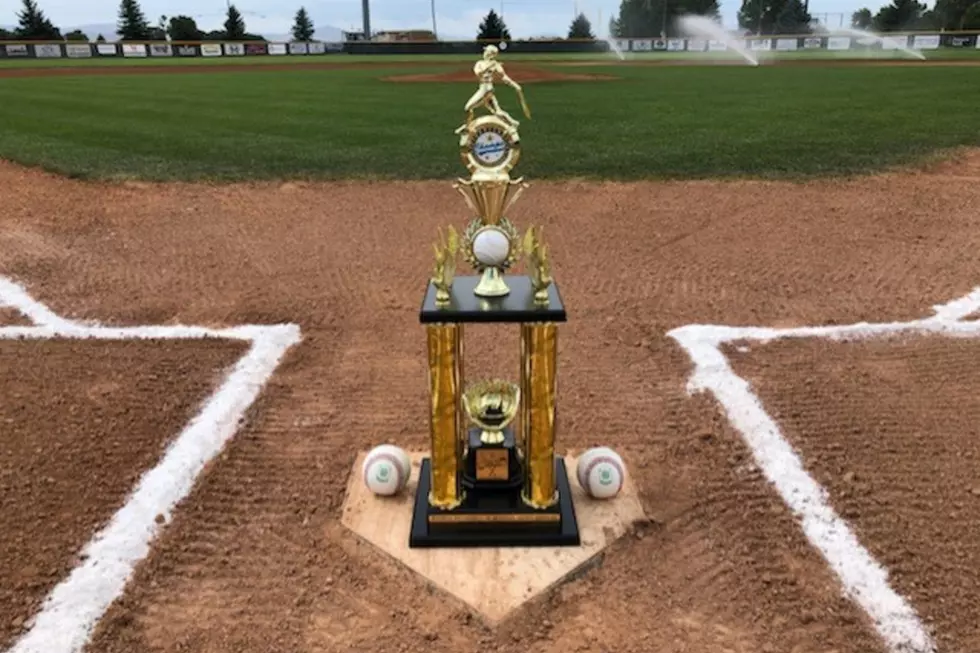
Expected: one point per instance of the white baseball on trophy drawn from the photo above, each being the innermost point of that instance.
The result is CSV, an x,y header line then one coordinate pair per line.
x,y
386,469
491,247
601,472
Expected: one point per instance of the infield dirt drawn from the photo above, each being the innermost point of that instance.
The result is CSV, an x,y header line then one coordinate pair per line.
x,y
256,559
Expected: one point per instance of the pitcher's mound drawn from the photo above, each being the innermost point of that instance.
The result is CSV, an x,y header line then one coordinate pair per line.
x,y
521,74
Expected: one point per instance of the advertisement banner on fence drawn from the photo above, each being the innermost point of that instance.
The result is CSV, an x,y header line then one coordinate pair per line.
x,y
16,50
106,50
716,46
675,45
78,51
812,44
659,44
335,47
978,43
960,41
642,45
255,48
894,42
186,50
161,50
133,50
47,51
760,44
786,45
298,48
277,48
234,49
925,41
839,43
210,49
317,48
695,45
623,45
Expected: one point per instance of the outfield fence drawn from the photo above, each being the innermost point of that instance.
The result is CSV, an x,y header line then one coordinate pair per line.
x,y
776,43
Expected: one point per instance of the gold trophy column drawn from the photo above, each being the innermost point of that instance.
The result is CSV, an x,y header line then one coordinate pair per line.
x,y
539,367
445,420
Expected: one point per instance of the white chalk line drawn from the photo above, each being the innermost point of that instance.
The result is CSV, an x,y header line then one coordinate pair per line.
x,y
864,580
69,613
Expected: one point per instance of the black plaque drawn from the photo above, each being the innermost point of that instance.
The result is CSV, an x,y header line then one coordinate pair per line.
x,y
518,306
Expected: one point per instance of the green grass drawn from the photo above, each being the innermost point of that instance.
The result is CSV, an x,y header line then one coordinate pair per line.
x,y
941,54
653,122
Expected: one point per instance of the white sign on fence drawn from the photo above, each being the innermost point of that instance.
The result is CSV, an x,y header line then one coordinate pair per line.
x,y
925,41
812,44
210,49
298,48
642,45
623,45
716,46
786,45
318,48
695,45
235,49
161,50
675,45
77,51
277,48
760,44
839,43
894,42
134,50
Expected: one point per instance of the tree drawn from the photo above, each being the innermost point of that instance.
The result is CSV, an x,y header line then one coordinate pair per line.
x,y
100,39
132,25
303,29
33,25
793,18
900,14
76,35
772,16
949,14
862,19
581,28
184,28
234,25
614,27
7,35
971,17
493,28
646,18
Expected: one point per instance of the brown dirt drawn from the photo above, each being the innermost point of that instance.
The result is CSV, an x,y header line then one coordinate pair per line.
x,y
890,428
81,421
10,317
527,74
257,559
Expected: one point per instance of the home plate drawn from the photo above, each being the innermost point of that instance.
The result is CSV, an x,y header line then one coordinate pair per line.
x,y
492,581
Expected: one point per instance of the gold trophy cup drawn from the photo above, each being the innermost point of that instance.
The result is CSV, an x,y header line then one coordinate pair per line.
x,y
492,405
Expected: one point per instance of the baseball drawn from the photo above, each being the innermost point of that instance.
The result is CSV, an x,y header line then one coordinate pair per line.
x,y
386,470
601,472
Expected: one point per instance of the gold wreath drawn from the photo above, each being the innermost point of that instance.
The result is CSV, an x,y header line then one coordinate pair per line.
x,y
509,230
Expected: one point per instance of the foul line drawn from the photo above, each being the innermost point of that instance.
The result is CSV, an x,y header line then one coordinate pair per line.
x,y
73,608
864,580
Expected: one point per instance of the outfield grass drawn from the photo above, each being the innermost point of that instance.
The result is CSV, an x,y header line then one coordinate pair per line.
x,y
653,122
944,54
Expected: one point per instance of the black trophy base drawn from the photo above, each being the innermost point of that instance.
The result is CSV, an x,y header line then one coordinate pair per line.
x,y
499,524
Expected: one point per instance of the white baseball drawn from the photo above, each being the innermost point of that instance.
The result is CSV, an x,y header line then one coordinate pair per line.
x,y
491,247
386,470
601,472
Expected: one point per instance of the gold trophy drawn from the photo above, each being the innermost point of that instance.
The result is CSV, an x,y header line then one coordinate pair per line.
x,y
492,483
492,405
490,148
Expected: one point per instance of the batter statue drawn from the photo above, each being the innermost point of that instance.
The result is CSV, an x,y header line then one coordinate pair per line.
x,y
488,70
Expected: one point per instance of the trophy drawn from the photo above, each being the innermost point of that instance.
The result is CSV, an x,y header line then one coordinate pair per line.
x,y
493,477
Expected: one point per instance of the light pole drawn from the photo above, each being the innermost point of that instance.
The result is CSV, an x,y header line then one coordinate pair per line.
x,y
435,34
366,9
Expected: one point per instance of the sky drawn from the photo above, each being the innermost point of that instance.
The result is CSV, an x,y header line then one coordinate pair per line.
x,y
454,18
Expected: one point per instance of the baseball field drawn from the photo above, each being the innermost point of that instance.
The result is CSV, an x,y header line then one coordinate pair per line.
x,y
210,277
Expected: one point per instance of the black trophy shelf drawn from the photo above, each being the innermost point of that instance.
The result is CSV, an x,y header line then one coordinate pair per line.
x,y
518,306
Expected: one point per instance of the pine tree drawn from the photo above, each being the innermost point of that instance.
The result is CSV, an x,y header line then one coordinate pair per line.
x,y
234,25
100,39
862,19
303,28
34,25
76,35
581,28
132,25
492,28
